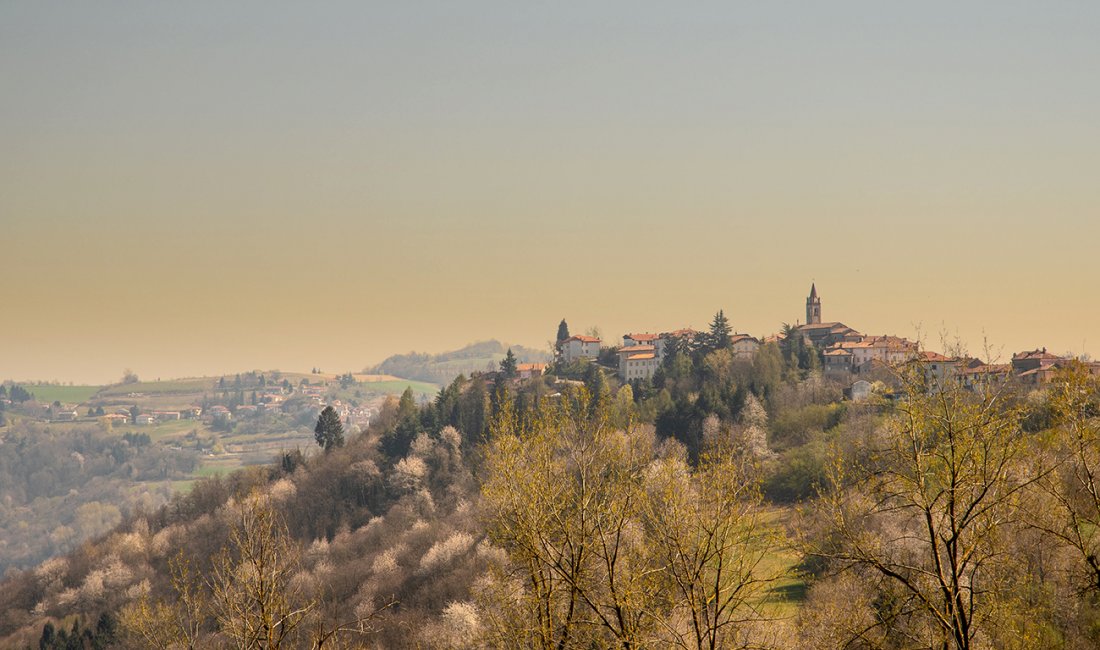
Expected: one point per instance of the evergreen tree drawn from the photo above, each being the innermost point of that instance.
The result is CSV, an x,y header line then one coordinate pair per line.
x,y
719,335
396,443
563,331
508,366
48,638
329,431
598,389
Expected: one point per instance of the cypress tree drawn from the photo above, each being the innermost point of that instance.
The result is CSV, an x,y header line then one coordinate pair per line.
x,y
563,331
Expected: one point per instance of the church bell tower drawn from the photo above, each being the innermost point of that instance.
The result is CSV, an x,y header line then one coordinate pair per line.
x,y
813,307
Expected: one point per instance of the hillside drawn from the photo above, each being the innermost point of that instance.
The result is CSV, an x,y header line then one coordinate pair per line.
x,y
727,503
442,368
75,460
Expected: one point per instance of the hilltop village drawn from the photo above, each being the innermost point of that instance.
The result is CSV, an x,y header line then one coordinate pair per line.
x,y
840,352
642,451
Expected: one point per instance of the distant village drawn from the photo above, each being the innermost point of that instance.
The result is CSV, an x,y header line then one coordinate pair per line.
x,y
212,410
846,354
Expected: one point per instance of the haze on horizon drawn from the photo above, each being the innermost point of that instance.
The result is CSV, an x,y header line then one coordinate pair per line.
x,y
197,188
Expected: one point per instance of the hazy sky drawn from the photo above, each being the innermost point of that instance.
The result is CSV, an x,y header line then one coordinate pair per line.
x,y
192,188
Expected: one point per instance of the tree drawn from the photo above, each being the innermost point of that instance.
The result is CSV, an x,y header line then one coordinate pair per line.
x,y
396,443
1074,490
927,516
563,331
329,431
719,335
611,543
250,597
508,366
129,377
134,413
253,598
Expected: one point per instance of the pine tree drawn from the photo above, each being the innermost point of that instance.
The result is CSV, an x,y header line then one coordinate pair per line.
x,y
508,366
719,336
329,432
563,331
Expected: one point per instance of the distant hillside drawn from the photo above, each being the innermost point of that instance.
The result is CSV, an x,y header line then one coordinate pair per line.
x,y
444,367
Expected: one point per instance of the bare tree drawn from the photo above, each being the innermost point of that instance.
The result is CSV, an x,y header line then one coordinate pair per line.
x,y
930,513
1073,492
611,543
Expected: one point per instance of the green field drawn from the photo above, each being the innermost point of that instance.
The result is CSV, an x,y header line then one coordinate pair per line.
x,y
195,385
63,394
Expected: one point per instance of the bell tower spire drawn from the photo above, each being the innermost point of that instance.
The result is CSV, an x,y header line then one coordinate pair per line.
x,y
813,306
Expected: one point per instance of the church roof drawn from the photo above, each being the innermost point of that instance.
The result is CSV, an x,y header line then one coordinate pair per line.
x,y
813,290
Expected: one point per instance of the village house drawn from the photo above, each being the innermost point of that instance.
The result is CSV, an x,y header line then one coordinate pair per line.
x,y
219,414
165,416
858,356
65,415
529,370
984,374
630,340
578,347
744,346
642,353
637,362
145,418
936,367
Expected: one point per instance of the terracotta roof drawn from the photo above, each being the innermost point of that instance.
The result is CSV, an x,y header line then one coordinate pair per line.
x,y
531,366
838,353
583,339
680,333
641,337
743,337
631,349
929,355
834,325
641,356
1040,353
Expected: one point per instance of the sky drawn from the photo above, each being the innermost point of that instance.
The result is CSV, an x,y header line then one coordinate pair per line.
x,y
204,187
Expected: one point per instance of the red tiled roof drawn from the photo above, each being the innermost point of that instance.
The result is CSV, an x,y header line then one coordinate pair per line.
x,y
681,333
642,356
631,349
583,339
641,337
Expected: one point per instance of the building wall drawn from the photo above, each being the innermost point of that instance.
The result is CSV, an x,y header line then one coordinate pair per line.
x,y
573,350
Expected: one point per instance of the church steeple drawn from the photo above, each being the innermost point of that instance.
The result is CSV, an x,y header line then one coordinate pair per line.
x,y
813,306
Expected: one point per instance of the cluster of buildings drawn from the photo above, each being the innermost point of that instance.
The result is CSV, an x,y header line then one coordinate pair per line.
x,y
642,353
846,353
311,398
